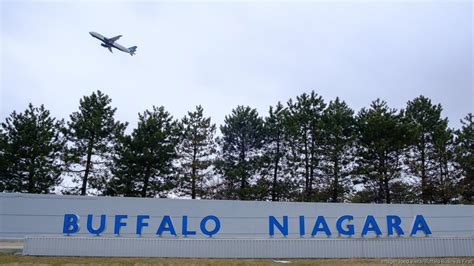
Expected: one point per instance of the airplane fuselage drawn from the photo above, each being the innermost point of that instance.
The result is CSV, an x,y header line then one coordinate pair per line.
x,y
110,43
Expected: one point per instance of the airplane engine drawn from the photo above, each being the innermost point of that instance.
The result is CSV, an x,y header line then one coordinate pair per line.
x,y
103,45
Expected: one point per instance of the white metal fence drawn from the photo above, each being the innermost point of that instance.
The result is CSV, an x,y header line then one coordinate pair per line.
x,y
249,248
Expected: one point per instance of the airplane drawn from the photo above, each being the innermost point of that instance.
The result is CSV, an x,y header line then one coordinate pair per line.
x,y
109,43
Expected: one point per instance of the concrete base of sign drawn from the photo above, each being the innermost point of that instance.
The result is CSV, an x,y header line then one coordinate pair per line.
x,y
249,248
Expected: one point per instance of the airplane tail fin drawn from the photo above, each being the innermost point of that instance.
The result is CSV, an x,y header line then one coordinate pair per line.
x,y
132,50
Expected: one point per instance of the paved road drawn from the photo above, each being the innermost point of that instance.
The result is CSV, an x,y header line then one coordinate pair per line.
x,y
11,243
11,246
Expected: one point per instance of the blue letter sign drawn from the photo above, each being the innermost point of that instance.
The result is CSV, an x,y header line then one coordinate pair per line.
x,y
272,222
420,225
140,223
320,221
350,227
70,225
217,226
185,230
166,225
118,223
393,222
90,226
210,225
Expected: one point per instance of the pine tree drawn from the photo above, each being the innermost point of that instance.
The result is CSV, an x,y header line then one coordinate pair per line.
x,y
402,192
31,146
305,140
465,158
125,160
445,172
423,119
275,152
92,133
196,150
338,150
143,163
241,143
381,140
4,164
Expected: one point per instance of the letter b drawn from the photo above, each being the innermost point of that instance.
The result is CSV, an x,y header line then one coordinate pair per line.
x,y
71,225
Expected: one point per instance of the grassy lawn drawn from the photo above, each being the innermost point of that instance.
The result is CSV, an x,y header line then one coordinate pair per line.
x,y
34,260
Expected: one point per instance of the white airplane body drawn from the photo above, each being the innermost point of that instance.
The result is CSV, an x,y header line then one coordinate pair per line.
x,y
110,43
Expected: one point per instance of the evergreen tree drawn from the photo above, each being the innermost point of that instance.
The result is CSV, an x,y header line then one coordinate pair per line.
x,y
241,143
196,150
305,140
445,172
338,150
381,140
4,176
275,154
125,169
402,192
92,132
143,163
423,119
465,158
31,146
363,195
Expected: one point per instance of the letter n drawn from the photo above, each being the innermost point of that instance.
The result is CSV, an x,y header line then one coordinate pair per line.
x,y
272,222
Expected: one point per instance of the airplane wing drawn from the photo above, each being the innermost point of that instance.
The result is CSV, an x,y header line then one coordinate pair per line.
x,y
110,49
114,38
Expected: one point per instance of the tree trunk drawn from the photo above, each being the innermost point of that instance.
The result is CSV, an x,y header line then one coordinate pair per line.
x,y
443,170
385,180
243,149
335,190
424,194
306,173
193,174
146,182
380,178
31,177
31,183
387,191
311,168
275,171
88,167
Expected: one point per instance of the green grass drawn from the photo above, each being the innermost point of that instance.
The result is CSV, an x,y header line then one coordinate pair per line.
x,y
12,259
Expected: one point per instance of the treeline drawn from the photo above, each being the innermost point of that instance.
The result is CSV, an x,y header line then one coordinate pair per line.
x,y
304,150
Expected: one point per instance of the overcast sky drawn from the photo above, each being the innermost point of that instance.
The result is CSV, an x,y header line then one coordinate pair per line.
x,y
221,55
